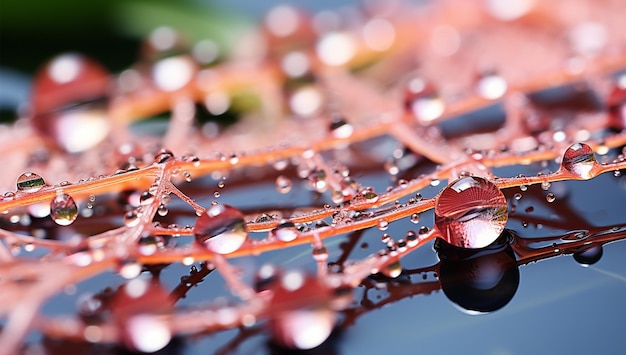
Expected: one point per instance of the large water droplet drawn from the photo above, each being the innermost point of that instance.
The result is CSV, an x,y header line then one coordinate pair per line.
x,y
30,182
579,160
69,102
471,212
286,231
63,209
302,329
221,229
589,255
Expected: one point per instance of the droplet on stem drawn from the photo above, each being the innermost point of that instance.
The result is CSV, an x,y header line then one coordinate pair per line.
x,y
471,212
286,231
283,184
221,229
30,182
579,160
63,209
69,99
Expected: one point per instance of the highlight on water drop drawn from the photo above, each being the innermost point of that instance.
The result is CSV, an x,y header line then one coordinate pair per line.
x,y
30,182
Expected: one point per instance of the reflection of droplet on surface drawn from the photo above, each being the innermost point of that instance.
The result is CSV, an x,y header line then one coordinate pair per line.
x,y
63,209
30,182
221,229
471,212
286,231
579,160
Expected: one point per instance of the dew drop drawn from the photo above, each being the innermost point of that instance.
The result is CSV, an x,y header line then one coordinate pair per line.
x,y
579,160
286,231
132,219
30,182
545,186
383,225
415,218
146,198
283,184
63,209
302,329
423,101
370,196
163,156
471,212
339,128
149,245
491,85
589,255
320,253
523,187
550,197
392,270
221,229
162,210
517,196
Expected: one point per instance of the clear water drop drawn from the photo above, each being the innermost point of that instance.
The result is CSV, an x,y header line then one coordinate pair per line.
x,y
320,253
221,229
579,160
471,212
339,128
286,231
415,218
132,219
370,196
550,197
392,270
283,184
146,198
589,255
63,209
383,225
163,156
30,182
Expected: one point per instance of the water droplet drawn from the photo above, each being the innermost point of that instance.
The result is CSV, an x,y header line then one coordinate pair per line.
x,y
286,231
221,229
550,197
147,333
435,182
30,182
69,99
221,184
317,180
149,245
383,225
491,85
423,101
523,187
415,218
545,186
589,255
283,184
302,329
471,212
163,156
392,270
162,210
320,253
132,218
411,238
370,196
517,196
63,209
129,269
339,128
146,198
579,160
216,194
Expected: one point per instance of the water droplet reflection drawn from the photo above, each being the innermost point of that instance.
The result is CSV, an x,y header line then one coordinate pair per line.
x,y
63,209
